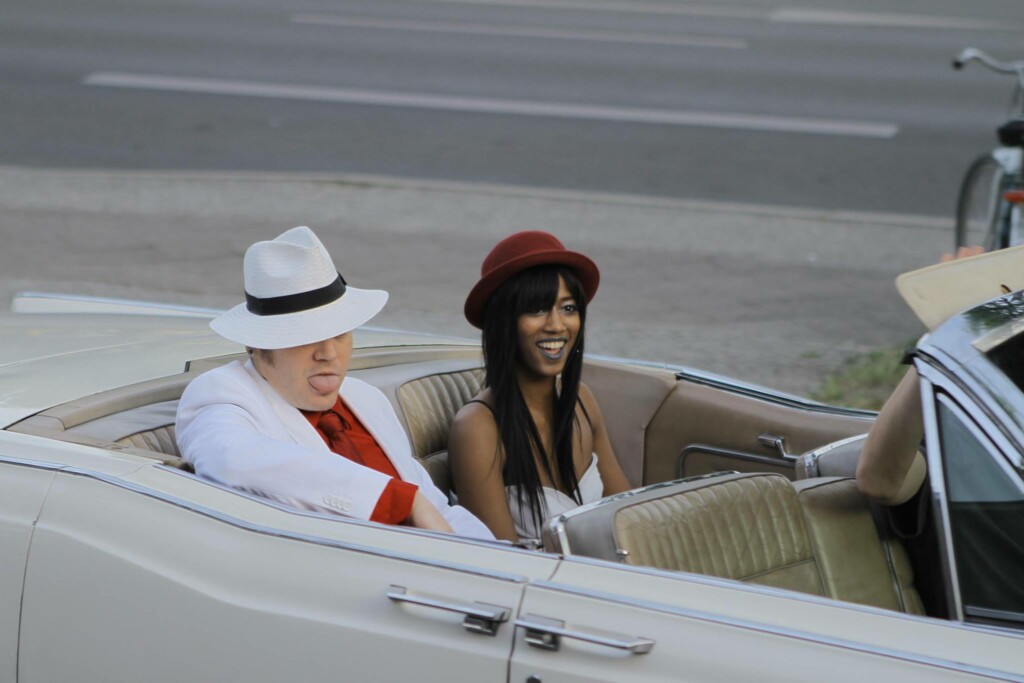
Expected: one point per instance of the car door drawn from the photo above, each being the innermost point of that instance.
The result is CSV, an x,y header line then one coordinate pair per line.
x,y
667,424
22,490
163,577
597,621
978,483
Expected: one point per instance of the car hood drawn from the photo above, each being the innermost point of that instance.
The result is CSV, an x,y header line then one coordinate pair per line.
x,y
50,359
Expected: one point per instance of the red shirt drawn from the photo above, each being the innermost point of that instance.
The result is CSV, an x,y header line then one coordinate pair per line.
x,y
345,435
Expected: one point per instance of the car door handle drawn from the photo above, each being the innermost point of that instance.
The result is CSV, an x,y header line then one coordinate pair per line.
x,y
547,633
779,444
480,617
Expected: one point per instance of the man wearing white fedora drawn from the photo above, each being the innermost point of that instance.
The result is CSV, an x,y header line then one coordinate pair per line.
x,y
288,424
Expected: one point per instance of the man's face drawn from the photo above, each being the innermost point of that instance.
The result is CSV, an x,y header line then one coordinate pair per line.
x,y
308,376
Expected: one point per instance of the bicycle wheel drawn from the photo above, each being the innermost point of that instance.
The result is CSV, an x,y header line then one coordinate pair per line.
x,y
977,208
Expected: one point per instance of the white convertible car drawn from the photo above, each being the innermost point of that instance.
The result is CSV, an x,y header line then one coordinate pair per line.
x,y
734,560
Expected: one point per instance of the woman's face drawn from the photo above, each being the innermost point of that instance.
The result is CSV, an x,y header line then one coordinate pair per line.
x,y
547,337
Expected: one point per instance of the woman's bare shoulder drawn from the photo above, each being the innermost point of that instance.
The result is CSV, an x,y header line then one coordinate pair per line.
x,y
474,426
480,408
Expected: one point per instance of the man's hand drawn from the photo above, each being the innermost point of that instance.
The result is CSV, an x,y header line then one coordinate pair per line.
x,y
425,516
963,252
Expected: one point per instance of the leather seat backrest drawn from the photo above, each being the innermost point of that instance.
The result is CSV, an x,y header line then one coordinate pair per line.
x,y
149,428
815,537
748,528
429,405
855,563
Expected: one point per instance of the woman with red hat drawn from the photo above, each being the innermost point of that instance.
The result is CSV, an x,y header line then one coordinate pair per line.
x,y
533,443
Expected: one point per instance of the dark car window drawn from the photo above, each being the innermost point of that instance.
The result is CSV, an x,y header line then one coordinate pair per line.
x,y
1009,357
986,514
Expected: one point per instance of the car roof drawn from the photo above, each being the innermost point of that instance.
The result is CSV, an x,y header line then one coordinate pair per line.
x,y
50,359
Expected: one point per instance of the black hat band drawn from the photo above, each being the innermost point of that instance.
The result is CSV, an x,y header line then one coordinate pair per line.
x,y
296,303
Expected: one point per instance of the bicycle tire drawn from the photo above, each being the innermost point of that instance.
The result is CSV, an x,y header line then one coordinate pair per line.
x,y
978,206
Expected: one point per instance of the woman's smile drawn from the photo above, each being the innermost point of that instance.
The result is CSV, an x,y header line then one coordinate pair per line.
x,y
553,349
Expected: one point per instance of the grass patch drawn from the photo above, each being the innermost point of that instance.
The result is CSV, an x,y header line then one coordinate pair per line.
x,y
865,380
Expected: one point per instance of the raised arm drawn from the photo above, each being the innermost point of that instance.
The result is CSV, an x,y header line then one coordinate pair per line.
x,y
476,464
890,450
889,469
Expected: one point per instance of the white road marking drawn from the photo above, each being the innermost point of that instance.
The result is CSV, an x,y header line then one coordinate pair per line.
x,y
633,7
795,15
481,105
782,15
520,31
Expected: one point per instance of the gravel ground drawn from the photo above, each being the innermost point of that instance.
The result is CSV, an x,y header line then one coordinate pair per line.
x,y
769,295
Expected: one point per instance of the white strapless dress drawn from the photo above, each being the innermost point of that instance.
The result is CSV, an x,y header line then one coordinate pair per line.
x,y
555,502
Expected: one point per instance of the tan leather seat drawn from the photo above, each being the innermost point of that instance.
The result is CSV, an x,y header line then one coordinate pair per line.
x,y
815,537
429,405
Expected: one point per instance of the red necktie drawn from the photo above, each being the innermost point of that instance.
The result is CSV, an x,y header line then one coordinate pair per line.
x,y
335,428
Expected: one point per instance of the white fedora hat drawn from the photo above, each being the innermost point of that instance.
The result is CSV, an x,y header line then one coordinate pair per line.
x,y
294,296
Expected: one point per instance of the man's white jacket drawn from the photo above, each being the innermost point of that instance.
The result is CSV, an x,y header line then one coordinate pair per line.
x,y
235,429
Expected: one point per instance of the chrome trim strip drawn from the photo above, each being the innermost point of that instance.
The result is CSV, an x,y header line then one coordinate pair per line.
x,y
265,530
558,526
754,391
729,453
155,307
786,632
717,582
822,450
1000,614
937,480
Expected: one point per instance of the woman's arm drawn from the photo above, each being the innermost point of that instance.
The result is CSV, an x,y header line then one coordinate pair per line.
x,y
475,462
607,464
892,443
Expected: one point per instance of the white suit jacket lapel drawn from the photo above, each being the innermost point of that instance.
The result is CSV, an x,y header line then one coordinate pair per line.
x,y
394,445
293,422
355,396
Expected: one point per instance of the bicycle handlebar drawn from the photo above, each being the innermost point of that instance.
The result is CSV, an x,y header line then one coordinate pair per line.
x,y
972,54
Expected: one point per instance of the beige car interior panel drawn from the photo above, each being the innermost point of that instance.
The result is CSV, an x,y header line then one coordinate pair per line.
x,y
660,427
629,397
695,417
427,386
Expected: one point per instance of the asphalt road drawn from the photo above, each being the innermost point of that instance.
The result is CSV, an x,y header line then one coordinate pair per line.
x,y
828,104
750,176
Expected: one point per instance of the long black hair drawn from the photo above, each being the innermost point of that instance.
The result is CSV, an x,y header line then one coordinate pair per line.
x,y
533,289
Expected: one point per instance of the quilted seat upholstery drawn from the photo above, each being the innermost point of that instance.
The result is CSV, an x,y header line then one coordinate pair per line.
x,y
764,536
147,427
159,439
816,536
429,405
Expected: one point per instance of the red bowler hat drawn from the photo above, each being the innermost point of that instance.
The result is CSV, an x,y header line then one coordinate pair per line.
x,y
518,252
